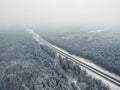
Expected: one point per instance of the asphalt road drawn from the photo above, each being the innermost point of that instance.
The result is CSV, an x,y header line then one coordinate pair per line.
x,y
83,64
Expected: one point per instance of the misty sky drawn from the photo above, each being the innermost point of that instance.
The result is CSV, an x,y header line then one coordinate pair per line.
x,y
53,12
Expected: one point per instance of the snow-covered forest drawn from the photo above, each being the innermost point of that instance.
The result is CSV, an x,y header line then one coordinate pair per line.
x,y
27,65
98,44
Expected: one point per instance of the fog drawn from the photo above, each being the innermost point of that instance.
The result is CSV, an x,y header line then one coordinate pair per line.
x,y
59,12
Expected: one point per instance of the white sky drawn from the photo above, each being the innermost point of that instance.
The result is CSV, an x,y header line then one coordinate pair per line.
x,y
59,11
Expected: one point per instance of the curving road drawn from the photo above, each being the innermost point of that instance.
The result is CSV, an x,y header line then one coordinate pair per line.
x,y
70,57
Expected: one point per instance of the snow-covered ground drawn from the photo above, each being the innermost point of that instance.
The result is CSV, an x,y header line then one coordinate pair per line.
x,y
65,37
96,31
111,85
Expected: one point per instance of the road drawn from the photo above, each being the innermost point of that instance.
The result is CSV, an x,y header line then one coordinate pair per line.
x,y
104,75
